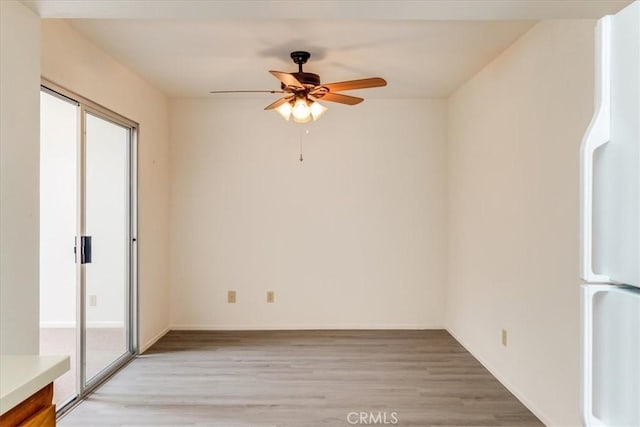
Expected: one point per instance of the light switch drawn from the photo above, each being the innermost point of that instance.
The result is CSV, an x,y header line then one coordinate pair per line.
x,y
231,297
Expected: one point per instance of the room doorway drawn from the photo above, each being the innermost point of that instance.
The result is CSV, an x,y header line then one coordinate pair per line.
x,y
87,240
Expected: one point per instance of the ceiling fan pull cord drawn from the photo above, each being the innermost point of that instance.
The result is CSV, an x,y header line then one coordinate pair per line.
x,y
301,159
306,132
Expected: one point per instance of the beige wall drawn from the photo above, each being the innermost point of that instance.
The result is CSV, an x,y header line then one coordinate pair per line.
x,y
353,237
19,177
72,61
514,133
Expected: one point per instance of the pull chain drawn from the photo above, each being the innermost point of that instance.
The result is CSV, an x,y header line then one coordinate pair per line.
x,y
306,132
301,158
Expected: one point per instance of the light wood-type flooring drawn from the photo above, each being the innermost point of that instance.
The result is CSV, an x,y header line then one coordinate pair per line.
x,y
303,378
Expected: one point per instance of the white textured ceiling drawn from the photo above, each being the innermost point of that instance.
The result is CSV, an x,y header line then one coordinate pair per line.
x,y
446,10
423,48
417,58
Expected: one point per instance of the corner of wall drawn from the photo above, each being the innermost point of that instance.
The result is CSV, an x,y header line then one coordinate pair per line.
x,y
514,132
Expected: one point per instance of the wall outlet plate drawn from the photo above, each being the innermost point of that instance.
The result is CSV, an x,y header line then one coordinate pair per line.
x,y
270,296
504,337
93,300
231,297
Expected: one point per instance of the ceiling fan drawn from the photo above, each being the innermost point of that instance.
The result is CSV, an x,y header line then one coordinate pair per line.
x,y
303,90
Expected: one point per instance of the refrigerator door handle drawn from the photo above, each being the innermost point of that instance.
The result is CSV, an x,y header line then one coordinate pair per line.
x,y
598,133
588,292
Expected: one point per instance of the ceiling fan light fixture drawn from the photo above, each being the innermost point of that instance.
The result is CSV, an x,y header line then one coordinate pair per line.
x,y
301,88
285,110
317,110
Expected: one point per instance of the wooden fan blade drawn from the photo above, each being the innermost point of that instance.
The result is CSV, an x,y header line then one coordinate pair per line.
x,y
246,91
287,79
277,103
355,84
342,99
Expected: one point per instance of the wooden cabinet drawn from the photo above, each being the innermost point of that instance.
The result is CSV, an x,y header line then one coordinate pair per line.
x,y
35,411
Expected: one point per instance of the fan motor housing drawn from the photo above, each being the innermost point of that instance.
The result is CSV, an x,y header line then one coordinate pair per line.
x,y
307,79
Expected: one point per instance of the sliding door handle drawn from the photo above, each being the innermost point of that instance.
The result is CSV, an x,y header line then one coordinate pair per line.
x,y
85,254
85,250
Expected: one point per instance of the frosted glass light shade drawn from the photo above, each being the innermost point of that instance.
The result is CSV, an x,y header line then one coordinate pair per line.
x,y
301,112
317,110
285,110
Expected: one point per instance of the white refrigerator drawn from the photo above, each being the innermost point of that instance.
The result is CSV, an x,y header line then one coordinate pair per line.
x,y
610,229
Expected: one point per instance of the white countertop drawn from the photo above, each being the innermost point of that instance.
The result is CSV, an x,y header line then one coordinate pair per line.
x,y
23,375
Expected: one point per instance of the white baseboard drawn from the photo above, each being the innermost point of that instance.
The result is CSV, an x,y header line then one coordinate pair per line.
x,y
153,340
96,324
517,393
300,327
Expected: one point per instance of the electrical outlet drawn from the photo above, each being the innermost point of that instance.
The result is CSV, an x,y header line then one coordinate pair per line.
x,y
93,300
231,297
504,337
270,296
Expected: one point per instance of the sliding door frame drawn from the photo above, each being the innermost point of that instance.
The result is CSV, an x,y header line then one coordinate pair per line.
x,y
86,106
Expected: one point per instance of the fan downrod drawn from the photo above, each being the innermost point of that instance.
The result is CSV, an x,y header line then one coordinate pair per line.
x,y
300,57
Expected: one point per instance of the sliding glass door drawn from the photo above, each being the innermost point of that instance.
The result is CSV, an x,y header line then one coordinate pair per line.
x,y
107,231
58,223
88,298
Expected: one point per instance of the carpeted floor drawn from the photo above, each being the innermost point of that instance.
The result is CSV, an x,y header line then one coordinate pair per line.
x,y
104,345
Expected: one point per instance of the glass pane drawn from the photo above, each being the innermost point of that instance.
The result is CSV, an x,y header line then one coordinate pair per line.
x,y
58,192
107,222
